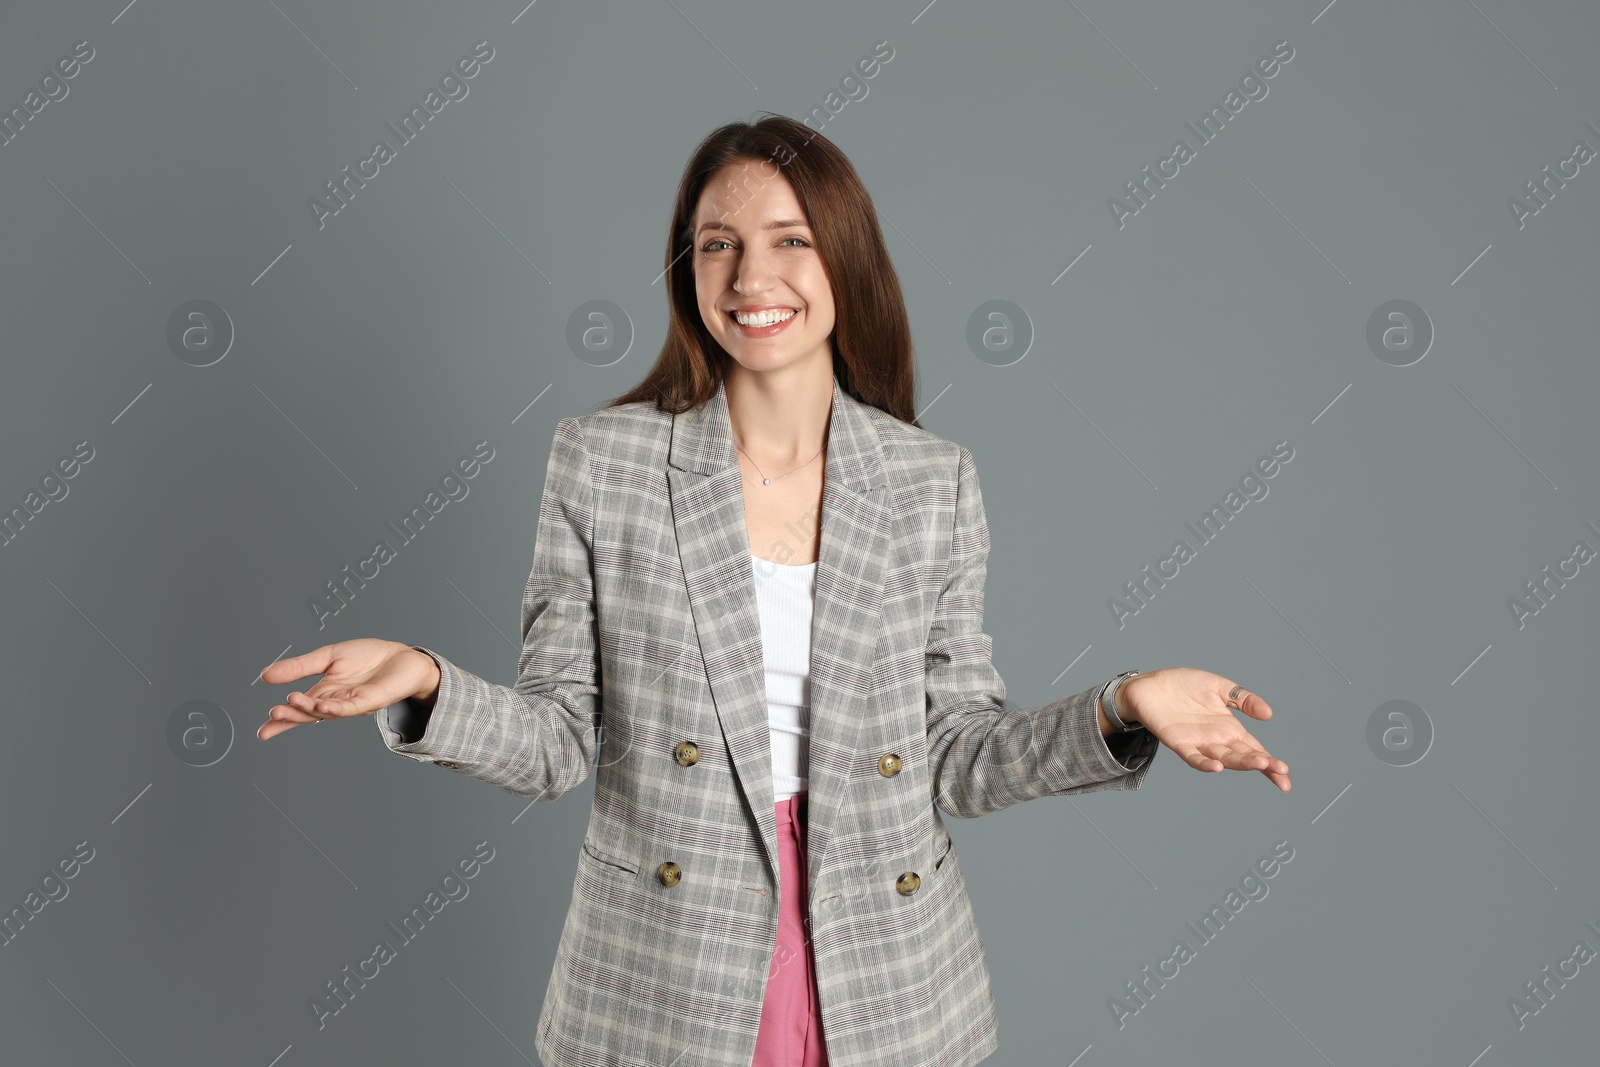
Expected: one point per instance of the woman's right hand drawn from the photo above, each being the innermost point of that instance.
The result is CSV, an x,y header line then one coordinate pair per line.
x,y
358,678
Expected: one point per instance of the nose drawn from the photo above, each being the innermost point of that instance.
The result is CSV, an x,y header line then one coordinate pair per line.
x,y
753,274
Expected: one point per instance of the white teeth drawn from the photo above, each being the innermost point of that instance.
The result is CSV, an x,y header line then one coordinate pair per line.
x,y
763,318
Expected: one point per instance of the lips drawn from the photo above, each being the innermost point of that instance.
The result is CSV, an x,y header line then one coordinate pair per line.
x,y
769,330
769,309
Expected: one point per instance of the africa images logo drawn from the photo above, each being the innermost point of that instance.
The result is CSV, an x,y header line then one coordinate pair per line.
x,y
453,85
1252,86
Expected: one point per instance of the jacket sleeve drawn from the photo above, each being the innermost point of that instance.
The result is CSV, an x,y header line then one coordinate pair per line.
x,y
983,756
539,737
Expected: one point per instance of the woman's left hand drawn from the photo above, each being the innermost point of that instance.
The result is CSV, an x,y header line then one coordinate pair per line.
x,y
1188,711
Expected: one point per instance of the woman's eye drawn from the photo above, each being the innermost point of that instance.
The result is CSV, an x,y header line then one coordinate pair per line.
x,y
712,245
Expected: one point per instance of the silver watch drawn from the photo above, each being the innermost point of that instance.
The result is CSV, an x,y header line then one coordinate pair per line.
x,y
1108,701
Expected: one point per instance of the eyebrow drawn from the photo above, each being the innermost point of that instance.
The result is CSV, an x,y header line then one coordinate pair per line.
x,y
775,224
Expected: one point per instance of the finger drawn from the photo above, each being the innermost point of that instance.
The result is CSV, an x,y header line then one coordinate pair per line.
x,y
1250,744
272,728
1248,755
282,718
294,668
1268,764
1220,756
1241,759
1197,759
1248,702
311,707
291,714
1245,755
336,703
1255,706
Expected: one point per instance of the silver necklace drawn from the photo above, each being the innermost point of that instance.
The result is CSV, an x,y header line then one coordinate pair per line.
x,y
768,481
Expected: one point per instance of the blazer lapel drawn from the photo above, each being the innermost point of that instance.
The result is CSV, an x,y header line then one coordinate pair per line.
x,y
713,542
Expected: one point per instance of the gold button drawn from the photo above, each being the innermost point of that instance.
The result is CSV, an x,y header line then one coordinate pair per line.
x,y
888,765
687,753
907,883
670,873
452,764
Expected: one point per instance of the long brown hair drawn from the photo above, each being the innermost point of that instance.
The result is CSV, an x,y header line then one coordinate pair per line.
x,y
872,352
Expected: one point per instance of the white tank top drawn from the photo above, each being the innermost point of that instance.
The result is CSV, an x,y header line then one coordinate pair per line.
x,y
784,593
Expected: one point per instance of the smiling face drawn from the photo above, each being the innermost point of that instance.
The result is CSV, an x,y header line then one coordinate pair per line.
x,y
754,255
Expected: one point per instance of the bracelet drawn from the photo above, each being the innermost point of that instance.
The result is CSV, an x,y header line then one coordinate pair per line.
x,y
1108,702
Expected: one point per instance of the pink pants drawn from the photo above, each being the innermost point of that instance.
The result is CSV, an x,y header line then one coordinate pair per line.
x,y
791,1023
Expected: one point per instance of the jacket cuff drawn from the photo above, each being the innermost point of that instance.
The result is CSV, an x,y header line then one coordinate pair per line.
x,y
1132,748
409,728
1118,761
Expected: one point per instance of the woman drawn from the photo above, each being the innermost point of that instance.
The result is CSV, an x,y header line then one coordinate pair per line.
x,y
756,609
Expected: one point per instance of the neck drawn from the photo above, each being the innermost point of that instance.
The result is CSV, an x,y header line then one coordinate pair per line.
x,y
780,416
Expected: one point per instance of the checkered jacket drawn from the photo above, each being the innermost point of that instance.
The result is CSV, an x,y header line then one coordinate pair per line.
x,y
641,632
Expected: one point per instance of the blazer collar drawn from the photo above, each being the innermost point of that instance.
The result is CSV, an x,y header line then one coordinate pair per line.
x,y
702,440
708,518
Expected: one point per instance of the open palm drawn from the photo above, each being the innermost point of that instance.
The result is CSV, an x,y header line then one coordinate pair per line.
x,y
358,678
1187,710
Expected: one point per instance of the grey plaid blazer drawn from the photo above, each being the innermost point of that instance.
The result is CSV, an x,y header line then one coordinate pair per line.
x,y
641,631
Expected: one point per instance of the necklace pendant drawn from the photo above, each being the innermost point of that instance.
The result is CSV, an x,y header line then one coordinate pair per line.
x,y
766,481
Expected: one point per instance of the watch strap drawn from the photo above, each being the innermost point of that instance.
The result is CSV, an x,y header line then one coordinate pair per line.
x,y
1108,701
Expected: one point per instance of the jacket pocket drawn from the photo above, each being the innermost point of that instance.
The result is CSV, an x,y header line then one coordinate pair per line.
x,y
943,853
605,859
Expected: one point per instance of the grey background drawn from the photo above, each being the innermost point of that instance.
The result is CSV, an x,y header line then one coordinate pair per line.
x,y
1228,315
